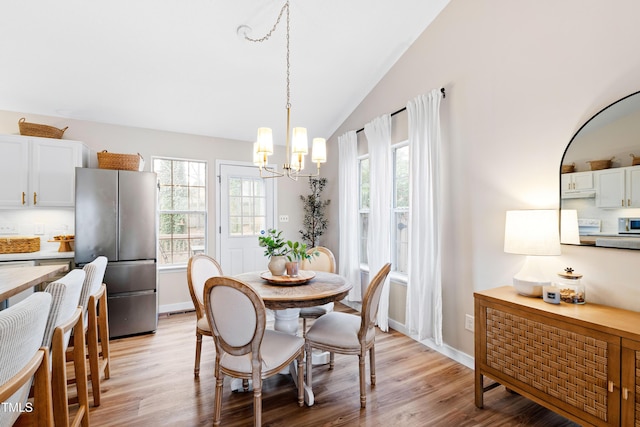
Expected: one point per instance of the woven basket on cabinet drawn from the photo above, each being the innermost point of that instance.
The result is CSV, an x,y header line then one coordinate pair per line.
x,y
44,131
130,162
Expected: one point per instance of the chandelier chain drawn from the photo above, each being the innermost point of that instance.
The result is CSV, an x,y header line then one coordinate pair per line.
x,y
268,36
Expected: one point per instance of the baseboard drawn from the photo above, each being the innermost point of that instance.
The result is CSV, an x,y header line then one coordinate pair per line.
x,y
172,308
444,349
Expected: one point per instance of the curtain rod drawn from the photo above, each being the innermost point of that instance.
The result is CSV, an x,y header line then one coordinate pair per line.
x,y
404,108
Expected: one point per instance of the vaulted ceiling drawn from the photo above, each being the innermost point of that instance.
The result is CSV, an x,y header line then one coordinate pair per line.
x,y
179,65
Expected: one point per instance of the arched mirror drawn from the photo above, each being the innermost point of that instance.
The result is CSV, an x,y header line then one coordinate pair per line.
x,y
600,179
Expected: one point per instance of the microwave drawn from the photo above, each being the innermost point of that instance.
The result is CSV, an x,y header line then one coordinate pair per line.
x,y
628,225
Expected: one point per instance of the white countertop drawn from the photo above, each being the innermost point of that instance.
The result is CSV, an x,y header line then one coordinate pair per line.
x,y
45,254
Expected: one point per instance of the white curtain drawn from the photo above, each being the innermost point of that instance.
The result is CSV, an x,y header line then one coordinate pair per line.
x,y
349,265
424,289
378,133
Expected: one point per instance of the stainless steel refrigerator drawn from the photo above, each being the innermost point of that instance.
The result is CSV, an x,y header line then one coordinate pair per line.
x,y
115,216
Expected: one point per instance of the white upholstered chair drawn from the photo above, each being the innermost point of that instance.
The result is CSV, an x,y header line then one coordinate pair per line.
x,y
22,358
65,316
244,347
323,261
345,333
200,268
93,300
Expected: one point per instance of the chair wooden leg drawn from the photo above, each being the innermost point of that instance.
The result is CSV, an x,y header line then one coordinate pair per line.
x,y
332,360
80,370
301,380
363,397
372,365
43,407
308,350
304,327
257,401
217,405
59,380
103,328
196,369
93,350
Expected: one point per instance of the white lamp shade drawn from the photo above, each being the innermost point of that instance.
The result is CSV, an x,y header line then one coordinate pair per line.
x,y
569,230
532,232
319,150
264,141
299,141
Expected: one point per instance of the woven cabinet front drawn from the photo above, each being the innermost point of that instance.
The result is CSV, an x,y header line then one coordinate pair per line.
x,y
569,366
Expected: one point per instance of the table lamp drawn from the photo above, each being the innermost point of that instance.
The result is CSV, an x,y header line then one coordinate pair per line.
x,y
533,233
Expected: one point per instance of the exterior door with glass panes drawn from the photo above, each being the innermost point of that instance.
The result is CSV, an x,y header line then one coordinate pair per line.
x,y
246,207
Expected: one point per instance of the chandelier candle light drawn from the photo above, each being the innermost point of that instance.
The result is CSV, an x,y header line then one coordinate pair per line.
x,y
297,145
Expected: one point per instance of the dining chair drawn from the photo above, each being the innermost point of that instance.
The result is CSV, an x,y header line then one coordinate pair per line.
x,y
199,269
65,316
346,333
93,300
22,358
244,347
323,261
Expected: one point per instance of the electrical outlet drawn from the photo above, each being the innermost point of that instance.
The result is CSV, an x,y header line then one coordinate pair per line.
x,y
468,322
8,228
284,218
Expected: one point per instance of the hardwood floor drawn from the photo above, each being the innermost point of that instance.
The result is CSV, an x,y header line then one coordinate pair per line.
x,y
152,384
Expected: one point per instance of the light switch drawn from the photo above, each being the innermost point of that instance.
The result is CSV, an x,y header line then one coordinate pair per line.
x,y
38,228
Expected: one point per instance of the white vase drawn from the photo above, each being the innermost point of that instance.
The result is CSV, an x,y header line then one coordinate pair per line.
x,y
277,265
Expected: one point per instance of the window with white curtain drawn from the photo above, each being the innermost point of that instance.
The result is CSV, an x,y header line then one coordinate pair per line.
x,y
400,206
363,205
400,228
182,206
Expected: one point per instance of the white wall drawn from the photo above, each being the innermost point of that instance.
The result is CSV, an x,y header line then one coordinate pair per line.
x,y
521,78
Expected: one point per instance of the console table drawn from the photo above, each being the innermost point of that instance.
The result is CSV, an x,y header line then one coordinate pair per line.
x,y
581,361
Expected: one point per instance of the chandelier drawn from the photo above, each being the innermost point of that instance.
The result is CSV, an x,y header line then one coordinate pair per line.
x,y
297,144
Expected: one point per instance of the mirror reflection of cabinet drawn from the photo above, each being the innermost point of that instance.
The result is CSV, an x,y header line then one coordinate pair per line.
x,y
618,188
577,184
612,133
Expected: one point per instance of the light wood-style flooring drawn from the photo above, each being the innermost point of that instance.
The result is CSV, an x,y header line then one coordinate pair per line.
x,y
152,384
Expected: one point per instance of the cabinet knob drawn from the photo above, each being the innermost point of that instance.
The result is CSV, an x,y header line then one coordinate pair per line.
x,y
625,393
628,202
23,197
35,198
610,388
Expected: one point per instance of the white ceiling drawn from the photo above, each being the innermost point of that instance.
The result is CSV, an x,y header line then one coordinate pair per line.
x,y
178,65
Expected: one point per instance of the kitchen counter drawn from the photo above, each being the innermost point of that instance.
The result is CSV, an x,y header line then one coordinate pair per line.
x,y
619,242
44,254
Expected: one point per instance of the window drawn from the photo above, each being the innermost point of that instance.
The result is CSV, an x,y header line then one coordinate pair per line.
x,y
247,206
364,198
400,230
182,206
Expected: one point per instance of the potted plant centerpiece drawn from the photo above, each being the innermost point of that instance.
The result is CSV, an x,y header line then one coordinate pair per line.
x,y
296,252
275,248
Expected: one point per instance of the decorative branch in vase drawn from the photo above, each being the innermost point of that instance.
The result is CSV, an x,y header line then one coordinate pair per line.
x,y
315,221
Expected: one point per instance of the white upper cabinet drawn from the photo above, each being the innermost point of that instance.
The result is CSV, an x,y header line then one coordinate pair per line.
x,y
577,184
618,188
39,172
14,167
